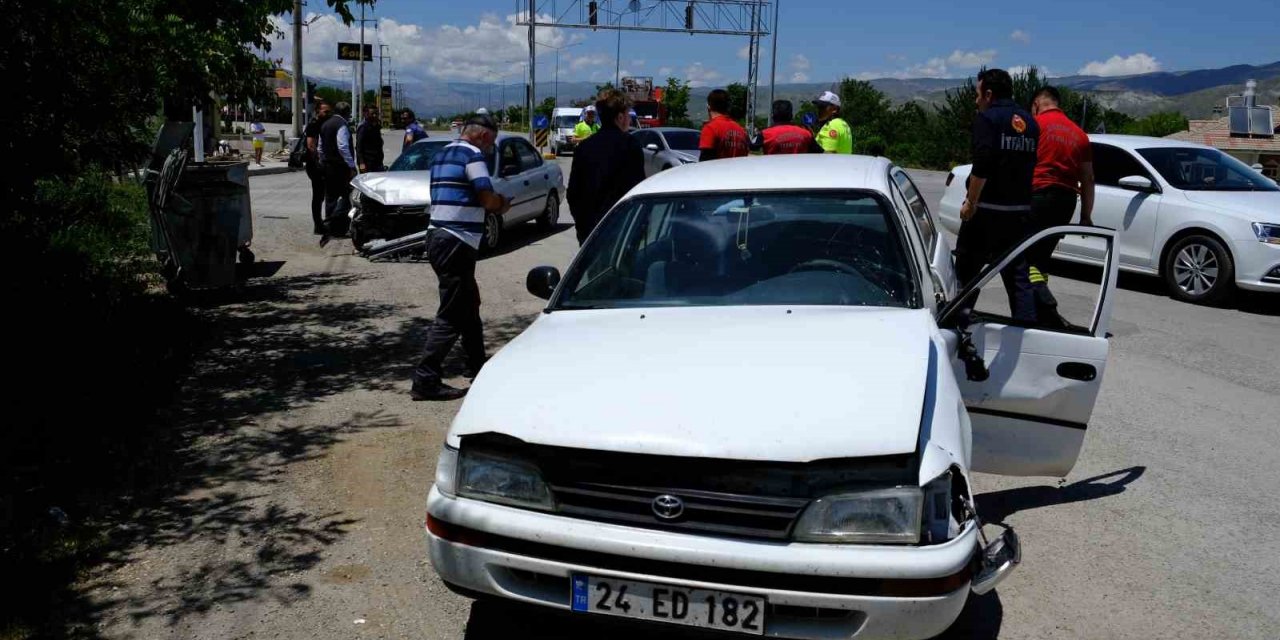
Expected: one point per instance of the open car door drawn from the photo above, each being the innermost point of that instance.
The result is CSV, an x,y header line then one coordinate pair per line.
x,y
1030,414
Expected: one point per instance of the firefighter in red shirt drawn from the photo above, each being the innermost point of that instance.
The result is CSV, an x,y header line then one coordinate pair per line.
x,y
784,137
722,137
1064,170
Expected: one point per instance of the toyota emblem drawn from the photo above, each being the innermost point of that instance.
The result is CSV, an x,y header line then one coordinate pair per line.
x,y
668,507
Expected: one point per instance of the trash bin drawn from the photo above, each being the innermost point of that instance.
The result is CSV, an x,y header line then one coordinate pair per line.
x,y
208,223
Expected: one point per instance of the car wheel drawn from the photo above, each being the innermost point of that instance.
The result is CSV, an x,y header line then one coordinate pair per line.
x,y
1199,269
551,215
492,231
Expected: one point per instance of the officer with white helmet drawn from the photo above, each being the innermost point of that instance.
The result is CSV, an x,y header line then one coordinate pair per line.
x,y
834,134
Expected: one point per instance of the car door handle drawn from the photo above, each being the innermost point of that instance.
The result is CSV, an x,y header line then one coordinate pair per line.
x,y
1078,371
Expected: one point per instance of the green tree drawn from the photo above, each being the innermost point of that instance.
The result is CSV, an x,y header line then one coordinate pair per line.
x,y
601,88
737,101
547,105
675,97
863,106
1157,125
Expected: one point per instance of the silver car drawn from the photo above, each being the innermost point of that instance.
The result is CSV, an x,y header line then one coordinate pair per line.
x,y
394,203
666,147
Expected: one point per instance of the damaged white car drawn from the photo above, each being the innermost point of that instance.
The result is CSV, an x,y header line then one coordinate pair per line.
x,y
752,405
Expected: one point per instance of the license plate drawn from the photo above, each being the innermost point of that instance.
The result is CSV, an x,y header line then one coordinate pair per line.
x,y
665,603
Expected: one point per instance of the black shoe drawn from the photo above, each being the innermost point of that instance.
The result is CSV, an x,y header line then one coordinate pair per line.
x,y
471,372
318,231
442,392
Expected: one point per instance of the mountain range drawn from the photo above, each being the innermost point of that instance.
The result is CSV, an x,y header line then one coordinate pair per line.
x,y
1193,93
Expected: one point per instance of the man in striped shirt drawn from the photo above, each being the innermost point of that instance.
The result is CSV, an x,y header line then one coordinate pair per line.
x,y
461,195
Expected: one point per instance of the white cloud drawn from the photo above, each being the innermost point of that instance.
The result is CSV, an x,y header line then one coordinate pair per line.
x,y
1023,68
799,76
588,60
745,52
482,52
1118,66
1020,36
800,63
970,59
665,71
639,64
700,76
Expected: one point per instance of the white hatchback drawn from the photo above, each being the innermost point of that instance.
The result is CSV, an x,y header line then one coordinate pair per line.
x,y
1198,218
753,404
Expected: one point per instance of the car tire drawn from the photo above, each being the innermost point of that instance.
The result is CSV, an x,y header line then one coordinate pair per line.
x,y
551,214
492,232
1199,269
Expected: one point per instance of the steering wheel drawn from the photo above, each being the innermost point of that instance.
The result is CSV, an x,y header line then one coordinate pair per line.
x,y
822,264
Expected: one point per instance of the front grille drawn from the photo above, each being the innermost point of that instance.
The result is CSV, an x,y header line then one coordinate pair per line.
x,y
705,511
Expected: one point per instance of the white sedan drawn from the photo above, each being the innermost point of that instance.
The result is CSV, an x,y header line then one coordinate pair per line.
x,y
1198,218
753,405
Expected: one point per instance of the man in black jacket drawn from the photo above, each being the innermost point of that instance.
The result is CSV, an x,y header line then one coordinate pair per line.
x,y
339,163
605,166
315,168
369,142
997,206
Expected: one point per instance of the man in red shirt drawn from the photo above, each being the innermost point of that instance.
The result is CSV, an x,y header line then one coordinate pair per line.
x,y
722,137
1064,170
784,137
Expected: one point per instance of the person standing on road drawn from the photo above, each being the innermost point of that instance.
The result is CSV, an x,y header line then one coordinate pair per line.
x,y
605,167
339,161
259,132
587,126
314,166
998,202
413,131
834,134
722,136
784,137
1064,171
369,141
461,194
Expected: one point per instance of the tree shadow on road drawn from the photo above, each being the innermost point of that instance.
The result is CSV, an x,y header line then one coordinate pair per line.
x,y
191,486
997,506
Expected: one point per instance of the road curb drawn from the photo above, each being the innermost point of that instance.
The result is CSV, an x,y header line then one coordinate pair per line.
x,y
267,171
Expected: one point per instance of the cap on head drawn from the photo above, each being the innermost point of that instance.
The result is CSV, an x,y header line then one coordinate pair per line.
x,y
591,108
828,97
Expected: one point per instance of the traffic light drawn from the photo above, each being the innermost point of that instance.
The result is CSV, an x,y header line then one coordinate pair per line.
x,y
688,16
593,12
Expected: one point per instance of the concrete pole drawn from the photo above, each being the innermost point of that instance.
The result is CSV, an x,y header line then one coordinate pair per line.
x,y
299,84
773,72
531,90
356,114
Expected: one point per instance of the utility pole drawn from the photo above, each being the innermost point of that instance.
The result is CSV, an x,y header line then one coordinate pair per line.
x,y
299,84
356,113
531,90
773,72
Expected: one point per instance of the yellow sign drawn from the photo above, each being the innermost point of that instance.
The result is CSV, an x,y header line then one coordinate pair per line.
x,y
351,51
540,138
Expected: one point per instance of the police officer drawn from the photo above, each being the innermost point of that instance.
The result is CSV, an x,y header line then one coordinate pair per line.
x,y
995,213
586,126
834,134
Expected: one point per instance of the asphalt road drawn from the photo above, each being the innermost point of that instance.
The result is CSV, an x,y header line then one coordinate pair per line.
x,y
308,469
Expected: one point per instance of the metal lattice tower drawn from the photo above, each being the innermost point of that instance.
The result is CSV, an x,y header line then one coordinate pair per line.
x,y
749,18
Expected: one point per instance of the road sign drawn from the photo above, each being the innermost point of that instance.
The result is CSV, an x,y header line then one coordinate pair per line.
x,y
351,51
540,122
810,119
540,138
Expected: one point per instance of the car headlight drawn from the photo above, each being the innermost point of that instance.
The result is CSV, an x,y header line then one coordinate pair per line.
x,y
496,478
447,471
1268,233
878,515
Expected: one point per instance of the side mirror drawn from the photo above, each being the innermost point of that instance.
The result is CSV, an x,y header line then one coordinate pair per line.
x,y
652,146
1136,183
542,281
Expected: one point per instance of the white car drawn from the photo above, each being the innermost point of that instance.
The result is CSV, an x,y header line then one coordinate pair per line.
x,y
667,147
746,408
396,202
1198,218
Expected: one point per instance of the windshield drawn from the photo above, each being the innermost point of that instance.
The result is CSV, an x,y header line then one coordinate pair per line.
x,y
682,140
566,122
418,155
1192,169
765,248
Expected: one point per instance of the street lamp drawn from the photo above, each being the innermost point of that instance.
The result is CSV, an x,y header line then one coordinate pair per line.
x,y
557,50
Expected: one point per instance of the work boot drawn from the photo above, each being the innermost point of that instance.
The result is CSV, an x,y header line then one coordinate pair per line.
x,y
440,393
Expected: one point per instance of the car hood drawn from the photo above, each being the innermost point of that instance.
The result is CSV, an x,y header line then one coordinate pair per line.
x,y
1257,206
745,383
395,188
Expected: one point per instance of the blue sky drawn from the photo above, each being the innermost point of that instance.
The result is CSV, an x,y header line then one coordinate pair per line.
x,y
820,43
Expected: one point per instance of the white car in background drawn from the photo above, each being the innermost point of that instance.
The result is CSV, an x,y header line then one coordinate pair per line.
x,y
667,147
753,405
1203,221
